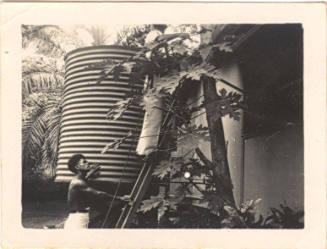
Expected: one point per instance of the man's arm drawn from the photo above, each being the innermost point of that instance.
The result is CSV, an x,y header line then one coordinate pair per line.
x,y
91,192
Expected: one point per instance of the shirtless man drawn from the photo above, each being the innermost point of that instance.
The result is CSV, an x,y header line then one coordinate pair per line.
x,y
80,194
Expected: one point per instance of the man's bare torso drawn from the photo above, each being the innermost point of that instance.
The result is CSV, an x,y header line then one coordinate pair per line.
x,y
77,198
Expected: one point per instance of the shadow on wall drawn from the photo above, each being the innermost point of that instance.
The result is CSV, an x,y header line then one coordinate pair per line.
x,y
274,170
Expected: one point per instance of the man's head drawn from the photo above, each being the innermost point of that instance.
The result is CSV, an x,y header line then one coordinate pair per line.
x,y
75,162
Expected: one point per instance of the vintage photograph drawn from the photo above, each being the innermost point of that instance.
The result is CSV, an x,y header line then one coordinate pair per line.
x,y
162,126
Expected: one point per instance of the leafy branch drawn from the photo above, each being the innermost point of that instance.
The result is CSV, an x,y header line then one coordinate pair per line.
x,y
114,145
169,70
117,110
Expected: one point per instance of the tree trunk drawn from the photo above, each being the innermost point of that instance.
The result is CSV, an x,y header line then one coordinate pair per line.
x,y
221,174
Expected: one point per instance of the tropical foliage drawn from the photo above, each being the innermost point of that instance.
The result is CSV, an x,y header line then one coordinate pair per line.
x,y
41,74
46,39
42,81
40,133
172,60
284,217
172,64
44,48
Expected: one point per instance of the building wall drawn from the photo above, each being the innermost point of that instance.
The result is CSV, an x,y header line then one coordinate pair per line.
x,y
266,167
273,169
273,165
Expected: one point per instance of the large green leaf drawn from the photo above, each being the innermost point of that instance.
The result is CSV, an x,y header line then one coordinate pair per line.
x,y
190,139
151,203
172,166
168,84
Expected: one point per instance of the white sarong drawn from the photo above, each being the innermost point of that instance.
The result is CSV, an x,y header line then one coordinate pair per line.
x,y
77,221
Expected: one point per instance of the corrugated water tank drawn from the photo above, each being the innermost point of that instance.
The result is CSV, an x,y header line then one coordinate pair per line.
x,y
84,126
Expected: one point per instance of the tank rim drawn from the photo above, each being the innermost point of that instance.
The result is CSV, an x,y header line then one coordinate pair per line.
x,y
100,47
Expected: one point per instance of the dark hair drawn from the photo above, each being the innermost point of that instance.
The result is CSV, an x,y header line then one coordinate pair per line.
x,y
73,161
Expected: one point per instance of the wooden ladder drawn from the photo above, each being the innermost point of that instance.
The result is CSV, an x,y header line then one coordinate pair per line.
x,y
144,179
138,191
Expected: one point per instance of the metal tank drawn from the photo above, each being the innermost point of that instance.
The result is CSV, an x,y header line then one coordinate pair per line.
x,y
84,126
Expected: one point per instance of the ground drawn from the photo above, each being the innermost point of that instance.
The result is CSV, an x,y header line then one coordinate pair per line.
x,y
40,214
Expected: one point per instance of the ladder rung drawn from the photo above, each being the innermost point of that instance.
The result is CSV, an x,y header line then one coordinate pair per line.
x,y
137,194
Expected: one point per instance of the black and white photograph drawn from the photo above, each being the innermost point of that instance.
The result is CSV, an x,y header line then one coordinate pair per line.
x,y
165,125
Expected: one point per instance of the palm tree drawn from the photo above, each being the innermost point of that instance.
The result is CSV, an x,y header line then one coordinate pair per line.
x,y
133,35
98,33
49,40
41,73
42,81
40,134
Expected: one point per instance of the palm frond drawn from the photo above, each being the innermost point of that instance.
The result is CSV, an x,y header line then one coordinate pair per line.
x,y
41,73
45,37
40,81
33,138
41,128
50,40
39,63
98,34
51,143
132,36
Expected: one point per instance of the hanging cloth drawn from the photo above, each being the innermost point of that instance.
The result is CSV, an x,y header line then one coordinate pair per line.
x,y
149,137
